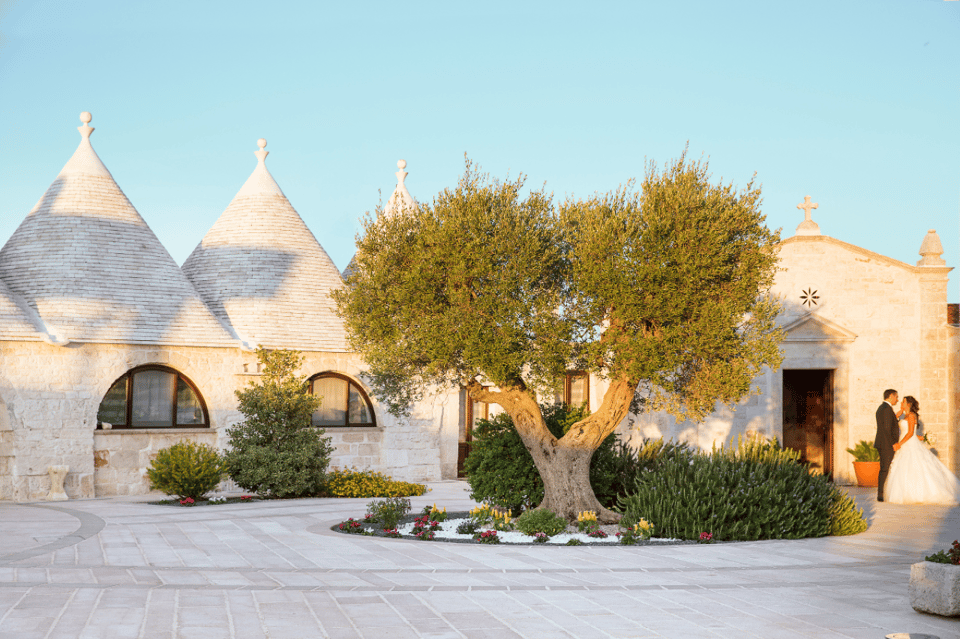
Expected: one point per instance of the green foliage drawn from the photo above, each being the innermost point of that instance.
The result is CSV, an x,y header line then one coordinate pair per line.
x,y
186,469
755,490
541,520
388,512
368,483
469,283
949,556
864,452
677,275
845,517
276,450
616,465
467,527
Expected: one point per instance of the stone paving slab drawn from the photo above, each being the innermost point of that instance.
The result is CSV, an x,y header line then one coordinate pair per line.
x,y
123,568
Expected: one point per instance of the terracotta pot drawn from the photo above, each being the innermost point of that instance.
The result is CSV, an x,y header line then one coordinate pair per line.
x,y
867,472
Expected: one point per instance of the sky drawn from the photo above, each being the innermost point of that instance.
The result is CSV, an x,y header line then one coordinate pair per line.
x,y
856,104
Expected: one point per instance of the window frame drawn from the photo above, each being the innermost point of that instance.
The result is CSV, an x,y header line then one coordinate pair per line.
x,y
363,395
567,387
128,385
471,417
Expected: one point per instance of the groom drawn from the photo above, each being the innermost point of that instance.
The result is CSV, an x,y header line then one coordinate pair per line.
x,y
888,434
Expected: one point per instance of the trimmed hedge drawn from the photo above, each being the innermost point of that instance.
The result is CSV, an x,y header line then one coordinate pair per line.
x,y
368,483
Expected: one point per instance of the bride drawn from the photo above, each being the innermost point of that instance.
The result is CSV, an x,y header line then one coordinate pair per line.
x,y
916,475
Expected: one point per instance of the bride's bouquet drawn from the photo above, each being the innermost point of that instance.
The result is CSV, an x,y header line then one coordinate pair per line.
x,y
929,439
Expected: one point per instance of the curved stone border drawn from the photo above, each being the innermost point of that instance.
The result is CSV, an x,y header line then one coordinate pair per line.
x,y
90,525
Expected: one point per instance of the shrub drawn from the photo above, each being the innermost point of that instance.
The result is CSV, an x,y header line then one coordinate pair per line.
x,y
467,527
501,471
366,484
541,520
755,490
845,517
187,470
387,513
276,450
616,465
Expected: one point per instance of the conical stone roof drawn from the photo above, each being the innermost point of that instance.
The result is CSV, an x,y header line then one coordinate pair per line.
x,y
263,273
93,271
400,200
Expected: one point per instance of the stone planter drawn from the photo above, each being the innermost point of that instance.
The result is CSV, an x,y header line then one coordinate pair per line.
x,y
935,588
867,472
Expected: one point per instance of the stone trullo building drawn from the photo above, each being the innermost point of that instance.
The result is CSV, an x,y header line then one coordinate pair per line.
x,y
109,351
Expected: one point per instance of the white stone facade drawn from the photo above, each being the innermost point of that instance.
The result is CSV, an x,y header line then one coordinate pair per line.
x,y
50,396
873,322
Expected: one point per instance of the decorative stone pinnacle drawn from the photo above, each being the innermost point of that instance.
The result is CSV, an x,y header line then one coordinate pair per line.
x,y
86,129
261,154
401,174
931,249
808,226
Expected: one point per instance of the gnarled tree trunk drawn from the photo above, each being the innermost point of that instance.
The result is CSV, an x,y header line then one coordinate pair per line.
x,y
564,464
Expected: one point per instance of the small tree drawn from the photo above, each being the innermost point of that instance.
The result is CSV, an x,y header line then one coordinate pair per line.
x,y
276,450
663,293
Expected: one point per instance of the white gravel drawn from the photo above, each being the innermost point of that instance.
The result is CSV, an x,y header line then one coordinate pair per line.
x,y
448,530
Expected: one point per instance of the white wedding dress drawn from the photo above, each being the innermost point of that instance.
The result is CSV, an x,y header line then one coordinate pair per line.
x,y
917,476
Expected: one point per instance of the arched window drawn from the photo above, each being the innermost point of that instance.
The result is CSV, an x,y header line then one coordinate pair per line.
x,y
153,397
344,402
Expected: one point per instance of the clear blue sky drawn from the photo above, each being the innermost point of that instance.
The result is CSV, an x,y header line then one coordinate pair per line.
x,y
854,103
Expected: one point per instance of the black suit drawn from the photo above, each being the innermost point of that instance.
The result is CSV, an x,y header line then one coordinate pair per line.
x,y
888,433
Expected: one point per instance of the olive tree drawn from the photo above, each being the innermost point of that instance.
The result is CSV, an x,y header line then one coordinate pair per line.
x,y
664,292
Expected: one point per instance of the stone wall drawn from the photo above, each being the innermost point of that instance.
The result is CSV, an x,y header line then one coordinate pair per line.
x,y
121,457
51,396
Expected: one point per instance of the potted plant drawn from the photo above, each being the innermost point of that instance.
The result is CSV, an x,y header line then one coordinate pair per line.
x,y
866,463
935,583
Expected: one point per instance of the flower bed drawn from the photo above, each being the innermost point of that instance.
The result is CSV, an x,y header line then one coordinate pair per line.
x,y
414,528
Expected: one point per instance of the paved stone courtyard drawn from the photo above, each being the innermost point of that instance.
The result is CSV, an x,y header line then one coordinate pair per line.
x,y
122,568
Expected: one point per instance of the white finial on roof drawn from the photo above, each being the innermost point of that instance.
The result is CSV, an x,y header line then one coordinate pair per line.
x,y
260,181
86,129
400,199
931,249
261,154
85,160
808,226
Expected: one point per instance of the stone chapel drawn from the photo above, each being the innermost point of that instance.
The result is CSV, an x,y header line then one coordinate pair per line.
x,y
110,351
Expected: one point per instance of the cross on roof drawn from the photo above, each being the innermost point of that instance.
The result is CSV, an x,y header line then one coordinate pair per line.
x,y
808,226
806,206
